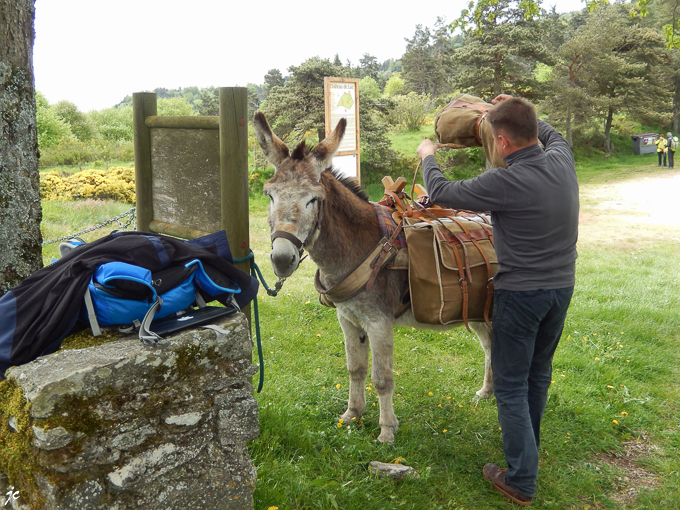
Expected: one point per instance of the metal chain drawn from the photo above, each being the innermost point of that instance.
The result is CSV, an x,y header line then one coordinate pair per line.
x,y
132,213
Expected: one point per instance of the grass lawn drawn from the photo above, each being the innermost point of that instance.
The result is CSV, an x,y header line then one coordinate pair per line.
x,y
609,437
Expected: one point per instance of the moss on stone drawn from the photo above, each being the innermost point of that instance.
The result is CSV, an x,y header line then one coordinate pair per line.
x,y
84,339
17,455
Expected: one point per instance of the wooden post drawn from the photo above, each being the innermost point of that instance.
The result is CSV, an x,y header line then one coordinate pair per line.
x,y
234,171
143,106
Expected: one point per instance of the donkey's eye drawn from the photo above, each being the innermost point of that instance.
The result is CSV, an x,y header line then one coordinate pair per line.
x,y
313,200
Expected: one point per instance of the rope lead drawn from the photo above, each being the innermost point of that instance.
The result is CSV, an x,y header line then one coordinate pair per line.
x,y
257,274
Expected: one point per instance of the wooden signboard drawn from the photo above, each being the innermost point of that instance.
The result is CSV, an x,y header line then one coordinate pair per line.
x,y
342,101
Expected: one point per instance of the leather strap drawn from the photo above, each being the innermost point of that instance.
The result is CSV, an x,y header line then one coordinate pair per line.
x,y
358,278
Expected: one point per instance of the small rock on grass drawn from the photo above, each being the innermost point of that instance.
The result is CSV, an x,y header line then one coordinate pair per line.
x,y
395,471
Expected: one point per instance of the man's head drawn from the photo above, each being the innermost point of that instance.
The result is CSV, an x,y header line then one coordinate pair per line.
x,y
514,125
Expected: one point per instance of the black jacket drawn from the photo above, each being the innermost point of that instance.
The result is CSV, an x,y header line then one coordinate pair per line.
x,y
42,310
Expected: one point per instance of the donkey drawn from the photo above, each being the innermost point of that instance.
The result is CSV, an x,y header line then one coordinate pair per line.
x,y
311,207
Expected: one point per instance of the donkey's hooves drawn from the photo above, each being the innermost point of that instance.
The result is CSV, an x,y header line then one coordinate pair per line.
x,y
386,437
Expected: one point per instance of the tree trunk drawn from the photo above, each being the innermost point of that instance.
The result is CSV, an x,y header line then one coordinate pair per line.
x,y
20,212
608,131
676,102
567,128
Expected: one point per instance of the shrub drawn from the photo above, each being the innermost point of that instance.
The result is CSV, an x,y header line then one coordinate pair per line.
x,y
114,184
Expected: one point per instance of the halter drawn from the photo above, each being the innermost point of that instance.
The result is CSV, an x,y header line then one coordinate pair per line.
x,y
300,245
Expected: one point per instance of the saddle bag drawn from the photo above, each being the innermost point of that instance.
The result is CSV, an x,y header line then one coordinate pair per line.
x,y
451,267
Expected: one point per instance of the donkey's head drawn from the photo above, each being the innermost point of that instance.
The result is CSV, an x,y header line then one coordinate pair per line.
x,y
295,192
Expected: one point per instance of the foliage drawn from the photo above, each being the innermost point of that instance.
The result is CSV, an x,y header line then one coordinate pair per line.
x,y
208,102
377,156
368,89
610,65
114,184
410,110
394,86
174,106
114,123
82,126
501,50
427,60
297,108
50,126
74,152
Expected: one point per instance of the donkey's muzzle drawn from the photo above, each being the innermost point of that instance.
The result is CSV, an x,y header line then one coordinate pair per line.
x,y
285,257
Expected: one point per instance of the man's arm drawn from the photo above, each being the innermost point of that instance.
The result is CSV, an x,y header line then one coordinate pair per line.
x,y
554,142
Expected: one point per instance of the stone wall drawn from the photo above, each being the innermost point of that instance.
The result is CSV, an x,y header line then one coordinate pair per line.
x,y
123,425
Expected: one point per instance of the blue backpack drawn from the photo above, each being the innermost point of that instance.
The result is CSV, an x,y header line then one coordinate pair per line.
x,y
125,294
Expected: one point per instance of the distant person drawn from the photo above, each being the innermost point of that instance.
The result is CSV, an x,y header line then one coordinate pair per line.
x,y
672,143
661,149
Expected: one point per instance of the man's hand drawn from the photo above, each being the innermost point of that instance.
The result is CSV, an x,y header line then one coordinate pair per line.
x,y
500,98
426,148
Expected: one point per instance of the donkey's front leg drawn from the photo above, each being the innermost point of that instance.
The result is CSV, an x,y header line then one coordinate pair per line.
x,y
356,350
381,335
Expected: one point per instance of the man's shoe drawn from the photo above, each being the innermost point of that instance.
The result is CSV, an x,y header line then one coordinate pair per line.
x,y
496,476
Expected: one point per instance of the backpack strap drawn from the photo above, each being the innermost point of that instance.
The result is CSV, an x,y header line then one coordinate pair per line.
x,y
147,336
91,315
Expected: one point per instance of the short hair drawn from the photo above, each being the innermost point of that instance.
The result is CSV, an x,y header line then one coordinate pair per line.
x,y
517,118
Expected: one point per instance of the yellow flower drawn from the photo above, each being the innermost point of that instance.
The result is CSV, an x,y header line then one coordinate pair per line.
x,y
624,413
273,508
460,405
596,358
430,393
610,387
627,361
337,386
439,405
307,302
615,422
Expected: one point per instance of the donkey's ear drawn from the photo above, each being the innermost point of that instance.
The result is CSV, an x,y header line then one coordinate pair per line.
x,y
322,154
274,149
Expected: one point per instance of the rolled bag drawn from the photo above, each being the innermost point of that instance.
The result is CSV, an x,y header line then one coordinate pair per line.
x,y
459,123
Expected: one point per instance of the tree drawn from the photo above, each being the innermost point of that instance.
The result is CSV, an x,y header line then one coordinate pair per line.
x,y
368,89
616,65
208,102
174,106
115,123
273,79
368,66
20,212
504,42
82,126
426,61
297,108
50,126
394,86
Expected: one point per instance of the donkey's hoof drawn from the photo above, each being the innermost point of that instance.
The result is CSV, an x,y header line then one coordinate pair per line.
x,y
386,436
349,415
484,393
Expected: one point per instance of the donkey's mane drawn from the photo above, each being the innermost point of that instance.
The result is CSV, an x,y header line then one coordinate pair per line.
x,y
349,183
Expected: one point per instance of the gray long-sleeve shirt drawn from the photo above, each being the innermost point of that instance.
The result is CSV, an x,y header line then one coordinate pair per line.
x,y
534,211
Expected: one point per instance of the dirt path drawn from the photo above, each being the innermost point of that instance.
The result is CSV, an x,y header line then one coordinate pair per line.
x,y
638,210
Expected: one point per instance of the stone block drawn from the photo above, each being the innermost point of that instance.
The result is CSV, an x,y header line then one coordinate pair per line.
x,y
124,425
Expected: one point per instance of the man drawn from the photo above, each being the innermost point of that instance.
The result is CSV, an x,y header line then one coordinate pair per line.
x,y
534,211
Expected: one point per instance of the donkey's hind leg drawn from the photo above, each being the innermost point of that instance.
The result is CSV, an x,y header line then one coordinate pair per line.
x,y
356,350
484,334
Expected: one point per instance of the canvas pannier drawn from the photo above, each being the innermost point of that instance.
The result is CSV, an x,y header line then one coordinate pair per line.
x,y
461,122
451,265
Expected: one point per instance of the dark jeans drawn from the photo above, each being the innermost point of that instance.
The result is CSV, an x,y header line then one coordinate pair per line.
x,y
662,155
671,156
527,326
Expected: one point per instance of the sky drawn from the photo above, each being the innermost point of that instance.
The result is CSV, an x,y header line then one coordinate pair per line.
x,y
95,52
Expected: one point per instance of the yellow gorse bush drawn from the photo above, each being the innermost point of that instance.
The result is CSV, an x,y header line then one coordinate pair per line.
x,y
113,184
